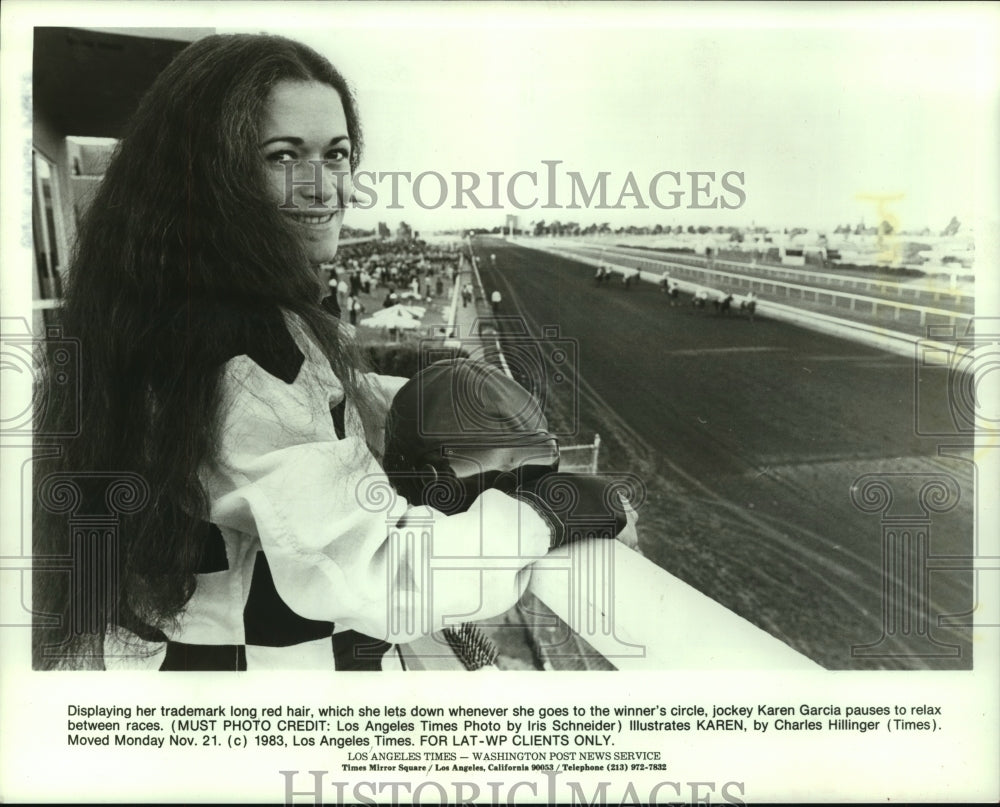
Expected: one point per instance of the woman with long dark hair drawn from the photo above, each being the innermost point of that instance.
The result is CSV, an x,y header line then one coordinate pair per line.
x,y
213,382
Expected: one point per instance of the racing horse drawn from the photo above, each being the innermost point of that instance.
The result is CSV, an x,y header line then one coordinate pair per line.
x,y
723,304
628,278
670,288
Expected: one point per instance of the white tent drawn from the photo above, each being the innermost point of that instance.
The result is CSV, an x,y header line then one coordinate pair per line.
x,y
396,316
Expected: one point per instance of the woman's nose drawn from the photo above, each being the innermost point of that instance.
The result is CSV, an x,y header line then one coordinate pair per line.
x,y
318,186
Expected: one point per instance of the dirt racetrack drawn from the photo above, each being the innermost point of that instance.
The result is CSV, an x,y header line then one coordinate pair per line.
x,y
749,437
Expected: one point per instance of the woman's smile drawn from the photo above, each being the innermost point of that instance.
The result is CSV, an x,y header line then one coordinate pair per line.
x,y
314,221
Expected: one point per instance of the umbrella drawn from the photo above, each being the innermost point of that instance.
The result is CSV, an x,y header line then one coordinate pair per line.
x,y
394,317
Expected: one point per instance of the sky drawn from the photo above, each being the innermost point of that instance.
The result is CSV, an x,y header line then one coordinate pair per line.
x,y
782,115
813,115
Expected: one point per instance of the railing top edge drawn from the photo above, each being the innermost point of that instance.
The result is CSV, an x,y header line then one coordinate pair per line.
x,y
641,617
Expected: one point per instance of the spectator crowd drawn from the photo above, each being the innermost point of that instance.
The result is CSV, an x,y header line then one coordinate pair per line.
x,y
407,270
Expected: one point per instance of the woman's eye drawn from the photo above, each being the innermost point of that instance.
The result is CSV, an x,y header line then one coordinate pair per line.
x,y
334,157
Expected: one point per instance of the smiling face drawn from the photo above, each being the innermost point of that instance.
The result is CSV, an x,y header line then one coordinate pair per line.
x,y
307,150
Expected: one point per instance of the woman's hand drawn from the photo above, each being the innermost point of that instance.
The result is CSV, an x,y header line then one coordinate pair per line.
x,y
629,535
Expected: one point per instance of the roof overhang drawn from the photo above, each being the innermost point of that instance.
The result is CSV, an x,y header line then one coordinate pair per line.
x,y
88,82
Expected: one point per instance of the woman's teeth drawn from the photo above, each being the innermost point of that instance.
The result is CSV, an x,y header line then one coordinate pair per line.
x,y
313,221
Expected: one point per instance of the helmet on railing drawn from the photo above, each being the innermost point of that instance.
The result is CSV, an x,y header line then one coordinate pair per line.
x,y
461,426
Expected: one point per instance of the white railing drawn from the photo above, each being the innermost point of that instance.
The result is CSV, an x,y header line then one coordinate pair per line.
x,y
635,615
640,617
783,271
453,309
589,453
765,286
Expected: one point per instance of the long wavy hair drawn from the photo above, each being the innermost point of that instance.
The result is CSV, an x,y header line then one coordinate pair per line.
x,y
181,248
